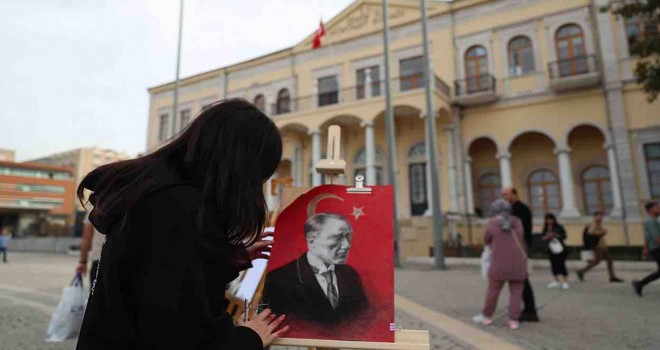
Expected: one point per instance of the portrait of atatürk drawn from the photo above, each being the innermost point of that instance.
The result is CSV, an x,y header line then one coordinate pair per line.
x,y
319,285
310,277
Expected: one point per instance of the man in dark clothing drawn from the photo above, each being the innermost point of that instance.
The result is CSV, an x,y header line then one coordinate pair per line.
x,y
319,286
521,211
651,244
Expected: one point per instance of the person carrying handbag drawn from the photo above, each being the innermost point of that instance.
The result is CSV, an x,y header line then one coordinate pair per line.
x,y
554,235
508,263
594,239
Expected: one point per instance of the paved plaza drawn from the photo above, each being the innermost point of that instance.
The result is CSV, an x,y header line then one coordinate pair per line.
x,y
591,315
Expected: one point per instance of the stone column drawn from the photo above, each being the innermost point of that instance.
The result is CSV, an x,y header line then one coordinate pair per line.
x,y
451,170
271,200
616,113
505,169
569,209
429,191
297,165
370,148
459,160
614,182
316,156
468,185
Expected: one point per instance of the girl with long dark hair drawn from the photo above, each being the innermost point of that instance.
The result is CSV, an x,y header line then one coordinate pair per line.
x,y
554,235
180,223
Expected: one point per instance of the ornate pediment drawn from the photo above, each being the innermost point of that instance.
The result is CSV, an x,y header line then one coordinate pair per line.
x,y
364,17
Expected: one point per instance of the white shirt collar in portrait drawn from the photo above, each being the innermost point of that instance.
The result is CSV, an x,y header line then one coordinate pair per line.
x,y
319,268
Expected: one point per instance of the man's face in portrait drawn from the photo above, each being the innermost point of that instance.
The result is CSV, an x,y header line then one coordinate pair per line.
x,y
332,242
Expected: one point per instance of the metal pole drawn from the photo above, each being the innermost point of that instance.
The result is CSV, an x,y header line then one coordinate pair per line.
x,y
438,250
176,81
389,130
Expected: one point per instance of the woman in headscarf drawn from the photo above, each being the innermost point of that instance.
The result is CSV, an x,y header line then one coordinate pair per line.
x,y
508,263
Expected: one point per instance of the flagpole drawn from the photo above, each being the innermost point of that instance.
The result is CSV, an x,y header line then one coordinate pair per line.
x,y
175,109
389,130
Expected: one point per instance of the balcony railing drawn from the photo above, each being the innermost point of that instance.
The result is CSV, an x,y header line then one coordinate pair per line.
x,y
355,93
574,66
473,85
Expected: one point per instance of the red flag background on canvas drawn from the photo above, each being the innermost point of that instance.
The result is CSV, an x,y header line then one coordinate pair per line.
x,y
317,37
371,256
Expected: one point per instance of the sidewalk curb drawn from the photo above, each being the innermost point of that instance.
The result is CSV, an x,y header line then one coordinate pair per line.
x,y
475,337
538,263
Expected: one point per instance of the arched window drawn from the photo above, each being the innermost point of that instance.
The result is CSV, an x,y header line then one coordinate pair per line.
x,y
639,30
521,55
360,165
489,188
476,69
597,189
260,102
417,179
283,101
544,194
571,52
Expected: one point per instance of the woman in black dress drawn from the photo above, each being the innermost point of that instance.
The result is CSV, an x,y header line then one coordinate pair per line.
x,y
180,223
554,235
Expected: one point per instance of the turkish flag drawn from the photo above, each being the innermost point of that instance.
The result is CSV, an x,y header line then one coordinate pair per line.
x,y
317,37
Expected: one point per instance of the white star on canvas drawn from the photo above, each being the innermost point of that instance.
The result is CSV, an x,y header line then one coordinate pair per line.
x,y
357,212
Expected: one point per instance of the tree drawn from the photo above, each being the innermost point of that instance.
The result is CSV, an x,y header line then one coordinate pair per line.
x,y
642,19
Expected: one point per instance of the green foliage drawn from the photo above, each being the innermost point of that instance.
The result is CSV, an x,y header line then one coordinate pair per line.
x,y
646,47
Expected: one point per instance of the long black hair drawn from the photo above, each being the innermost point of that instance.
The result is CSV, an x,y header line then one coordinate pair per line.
x,y
555,224
228,152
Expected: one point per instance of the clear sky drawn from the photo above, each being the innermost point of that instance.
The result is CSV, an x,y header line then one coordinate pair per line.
x,y
74,73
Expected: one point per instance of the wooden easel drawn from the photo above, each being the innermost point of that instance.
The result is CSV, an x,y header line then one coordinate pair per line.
x,y
332,167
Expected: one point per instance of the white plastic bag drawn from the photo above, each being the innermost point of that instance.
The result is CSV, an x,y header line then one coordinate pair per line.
x,y
587,255
485,262
68,316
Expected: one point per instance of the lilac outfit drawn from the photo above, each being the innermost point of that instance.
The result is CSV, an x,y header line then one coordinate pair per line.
x,y
507,264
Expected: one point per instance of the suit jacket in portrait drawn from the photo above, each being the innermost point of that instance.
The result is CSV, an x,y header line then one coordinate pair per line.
x,y
294,290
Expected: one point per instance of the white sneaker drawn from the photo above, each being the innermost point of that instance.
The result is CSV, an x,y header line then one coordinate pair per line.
x,y
554,284
482,320
513,325
565,286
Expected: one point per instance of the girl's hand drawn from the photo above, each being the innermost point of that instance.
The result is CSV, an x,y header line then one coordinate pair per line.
x,y
266,326
262,246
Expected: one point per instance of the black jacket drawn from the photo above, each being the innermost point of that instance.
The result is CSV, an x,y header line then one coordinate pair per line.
x,y
559,231
589,241
522,212
161,282
294,290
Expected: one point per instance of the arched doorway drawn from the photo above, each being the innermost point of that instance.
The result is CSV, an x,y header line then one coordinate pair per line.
x,y
535,172
486,180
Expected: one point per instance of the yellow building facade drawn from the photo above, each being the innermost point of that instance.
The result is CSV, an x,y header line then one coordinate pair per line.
x,y
535,94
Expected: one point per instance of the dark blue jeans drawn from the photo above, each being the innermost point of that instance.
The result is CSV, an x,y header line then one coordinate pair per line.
x,y
3,250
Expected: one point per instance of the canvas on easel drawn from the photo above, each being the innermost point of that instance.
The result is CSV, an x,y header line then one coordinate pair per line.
x,y
331,268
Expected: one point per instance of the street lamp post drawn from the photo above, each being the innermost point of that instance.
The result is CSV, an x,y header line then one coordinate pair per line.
x,y
438,250
175,109
389,130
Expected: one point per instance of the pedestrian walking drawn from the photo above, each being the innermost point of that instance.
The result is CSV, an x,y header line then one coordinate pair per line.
x,y
594,239
651,244
508,263
180,223
5,237
554,235
90,246
522,212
